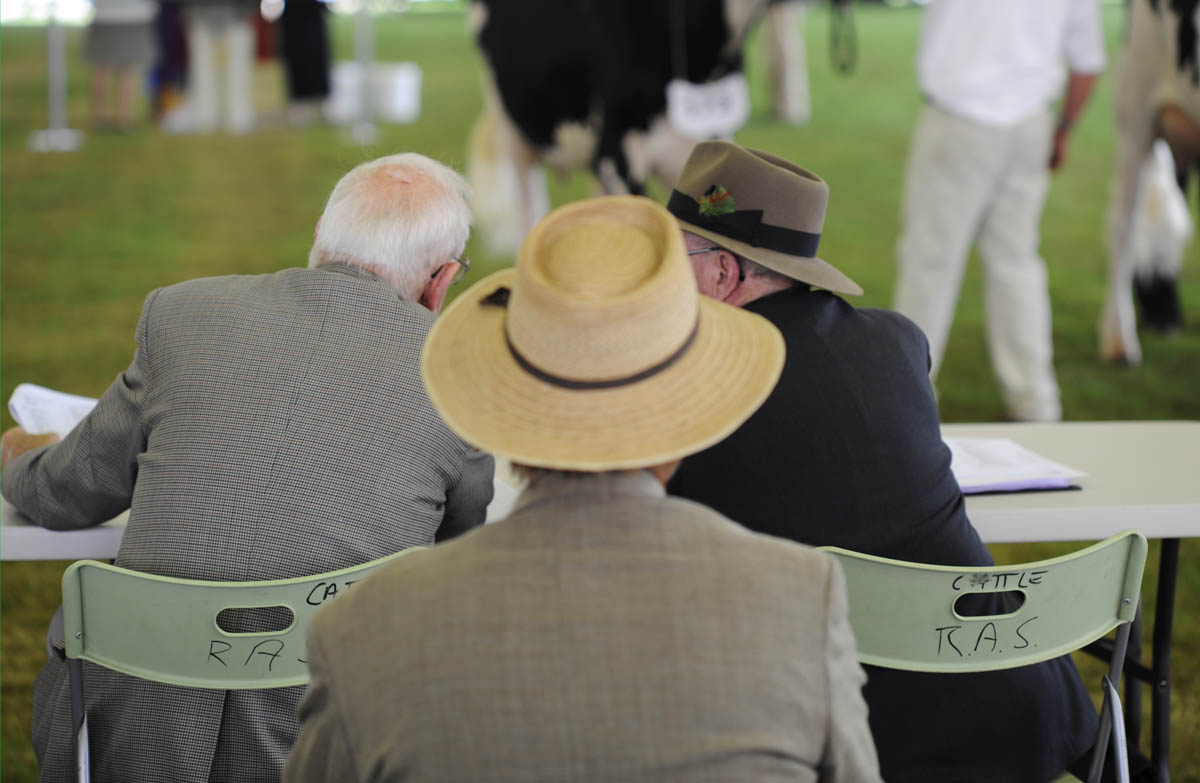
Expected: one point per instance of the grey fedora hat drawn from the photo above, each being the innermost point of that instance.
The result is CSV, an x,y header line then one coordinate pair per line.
x,y
759,206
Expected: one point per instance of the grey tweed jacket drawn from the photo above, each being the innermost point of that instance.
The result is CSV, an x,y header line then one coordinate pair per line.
x,y
602,632
268,427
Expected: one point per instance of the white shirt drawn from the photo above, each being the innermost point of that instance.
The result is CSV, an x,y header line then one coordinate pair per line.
x,y
999,62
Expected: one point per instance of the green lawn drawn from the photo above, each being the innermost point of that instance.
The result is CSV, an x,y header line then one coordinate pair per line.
x,y
84,237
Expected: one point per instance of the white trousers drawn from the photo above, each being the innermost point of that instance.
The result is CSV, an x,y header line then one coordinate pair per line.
x,y
205,28
968,183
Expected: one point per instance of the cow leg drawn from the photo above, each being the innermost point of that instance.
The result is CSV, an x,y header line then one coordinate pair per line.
x,y
610,163
509,185
659,152
1118,322
612,173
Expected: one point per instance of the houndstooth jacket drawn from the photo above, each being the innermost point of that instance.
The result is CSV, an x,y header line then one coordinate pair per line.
x,y
268,427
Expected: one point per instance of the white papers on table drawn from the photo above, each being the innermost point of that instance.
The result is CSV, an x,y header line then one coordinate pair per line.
x,y
38,409
1001,465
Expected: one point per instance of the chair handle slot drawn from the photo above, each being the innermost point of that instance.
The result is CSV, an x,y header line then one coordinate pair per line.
x,y
991,605
255,620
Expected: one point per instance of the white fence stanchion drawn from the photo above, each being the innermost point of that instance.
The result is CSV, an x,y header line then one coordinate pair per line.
x,y
363,131
58,137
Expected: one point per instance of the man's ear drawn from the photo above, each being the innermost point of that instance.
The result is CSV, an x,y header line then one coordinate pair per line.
x,y
433,295
729,276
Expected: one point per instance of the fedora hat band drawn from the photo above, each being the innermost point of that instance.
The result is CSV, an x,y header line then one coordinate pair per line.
x,y
745,225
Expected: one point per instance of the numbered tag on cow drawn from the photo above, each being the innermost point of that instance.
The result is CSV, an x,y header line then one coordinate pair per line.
x,y
708,111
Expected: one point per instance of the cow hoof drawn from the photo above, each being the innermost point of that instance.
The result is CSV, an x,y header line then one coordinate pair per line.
x,y
1116,352
1118,355
1120,359
1157,297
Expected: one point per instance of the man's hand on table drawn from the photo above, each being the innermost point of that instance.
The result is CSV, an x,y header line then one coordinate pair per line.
x,y
16,441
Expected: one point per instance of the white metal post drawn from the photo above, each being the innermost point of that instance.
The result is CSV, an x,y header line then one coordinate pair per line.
x,y
58,137
364,131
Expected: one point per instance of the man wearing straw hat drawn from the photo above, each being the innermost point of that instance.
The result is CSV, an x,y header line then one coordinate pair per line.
x,y
847,451
603,631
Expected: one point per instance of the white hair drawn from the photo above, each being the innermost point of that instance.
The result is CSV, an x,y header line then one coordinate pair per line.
x,y
402,216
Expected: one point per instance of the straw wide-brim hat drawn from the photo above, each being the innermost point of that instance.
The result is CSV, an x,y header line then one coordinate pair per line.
x,y
596,352
760,206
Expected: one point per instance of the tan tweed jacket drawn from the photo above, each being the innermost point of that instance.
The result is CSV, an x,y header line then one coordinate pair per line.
x,y
603,632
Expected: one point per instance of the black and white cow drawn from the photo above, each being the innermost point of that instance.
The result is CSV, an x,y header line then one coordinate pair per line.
x,y
1157,95
582,84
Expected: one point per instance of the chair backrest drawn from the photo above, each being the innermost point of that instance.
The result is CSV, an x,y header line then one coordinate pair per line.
x,y
904,616
166,630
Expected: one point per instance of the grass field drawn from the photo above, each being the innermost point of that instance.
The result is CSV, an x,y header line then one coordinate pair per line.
x,y
85,236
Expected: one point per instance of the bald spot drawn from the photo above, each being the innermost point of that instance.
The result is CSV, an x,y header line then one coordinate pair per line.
x,y
394,188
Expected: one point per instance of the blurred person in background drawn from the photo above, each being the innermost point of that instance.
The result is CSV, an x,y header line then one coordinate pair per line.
x,y
306,56
211,23
119,44
979,170
168,77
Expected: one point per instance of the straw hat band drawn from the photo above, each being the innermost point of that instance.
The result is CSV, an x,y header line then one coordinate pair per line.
x,y
569,383
745,225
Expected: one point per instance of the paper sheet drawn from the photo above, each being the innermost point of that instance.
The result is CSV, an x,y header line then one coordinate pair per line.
x,y
1001,465
38,409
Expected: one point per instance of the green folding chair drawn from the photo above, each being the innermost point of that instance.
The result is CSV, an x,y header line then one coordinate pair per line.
x,y
167,630
908,616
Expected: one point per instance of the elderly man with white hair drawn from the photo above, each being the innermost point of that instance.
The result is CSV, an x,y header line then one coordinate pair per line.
x,y
268,427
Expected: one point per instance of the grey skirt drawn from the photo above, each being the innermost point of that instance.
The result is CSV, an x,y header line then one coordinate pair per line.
x,y
120,44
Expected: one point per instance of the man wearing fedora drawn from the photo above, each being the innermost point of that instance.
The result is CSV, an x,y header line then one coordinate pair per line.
x,y
847,451
603,631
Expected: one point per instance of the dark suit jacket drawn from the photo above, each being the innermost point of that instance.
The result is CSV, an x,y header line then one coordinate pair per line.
x,y
602,632
847,451
268,427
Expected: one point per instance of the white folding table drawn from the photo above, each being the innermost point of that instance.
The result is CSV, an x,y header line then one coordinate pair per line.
x,y
1142,475
21,539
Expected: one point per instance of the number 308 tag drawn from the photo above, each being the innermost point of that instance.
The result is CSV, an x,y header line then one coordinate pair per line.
x,y
708,111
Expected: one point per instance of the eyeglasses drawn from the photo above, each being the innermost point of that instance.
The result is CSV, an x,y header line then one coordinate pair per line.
x,y
700,250
464,266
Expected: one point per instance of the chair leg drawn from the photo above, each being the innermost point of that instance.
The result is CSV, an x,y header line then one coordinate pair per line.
x,y
1101,747
1133,685
1112,721
79,736
1120,750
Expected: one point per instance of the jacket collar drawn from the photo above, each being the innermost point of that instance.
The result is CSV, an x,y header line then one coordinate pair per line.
x,y
353,271
581,488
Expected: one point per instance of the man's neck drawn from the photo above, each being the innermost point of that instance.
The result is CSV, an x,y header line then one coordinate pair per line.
x,y
753,288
